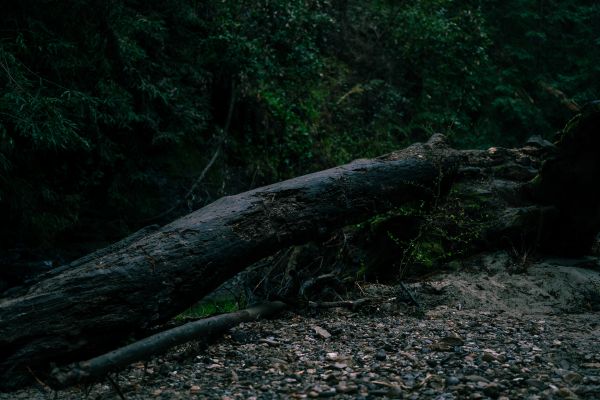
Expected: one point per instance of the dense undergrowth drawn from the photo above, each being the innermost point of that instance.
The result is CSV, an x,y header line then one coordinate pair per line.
x,y
110,110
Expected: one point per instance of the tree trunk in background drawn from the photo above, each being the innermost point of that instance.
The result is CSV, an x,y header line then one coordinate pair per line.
x,y
569,181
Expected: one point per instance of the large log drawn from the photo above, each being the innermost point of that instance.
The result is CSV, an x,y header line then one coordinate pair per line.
x,y
100,302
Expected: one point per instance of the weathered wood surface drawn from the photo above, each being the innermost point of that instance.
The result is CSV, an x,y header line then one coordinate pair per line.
x,y
101,301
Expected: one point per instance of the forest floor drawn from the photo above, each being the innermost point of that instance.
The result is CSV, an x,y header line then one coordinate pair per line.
x,y
490,330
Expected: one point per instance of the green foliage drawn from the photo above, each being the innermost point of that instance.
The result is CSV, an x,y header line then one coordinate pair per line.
x,y
207,309
417,238
452,232
541,52
110,110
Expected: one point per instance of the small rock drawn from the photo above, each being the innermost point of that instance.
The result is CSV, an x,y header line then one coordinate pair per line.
x,y
269,341
564,364
328,392
572,378
389,347
453,339
536,383
447,343
195,389
380,355
591,365
436,382
567,394
321,332
343,387
452,380
492,389
491,355
476,378
164,370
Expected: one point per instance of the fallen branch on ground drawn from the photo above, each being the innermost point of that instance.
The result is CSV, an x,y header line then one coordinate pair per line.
x,y
99,301
100,366
105,299
352,305
349,304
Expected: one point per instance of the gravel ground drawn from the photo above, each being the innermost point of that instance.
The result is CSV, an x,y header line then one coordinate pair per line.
x,y
527,338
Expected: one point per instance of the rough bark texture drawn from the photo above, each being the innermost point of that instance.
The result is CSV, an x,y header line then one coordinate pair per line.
x,y
99,302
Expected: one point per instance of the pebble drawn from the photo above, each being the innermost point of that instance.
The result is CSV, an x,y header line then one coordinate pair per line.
x,y
346,388
567,393
321,332
328,392
380,355
572,378
452,380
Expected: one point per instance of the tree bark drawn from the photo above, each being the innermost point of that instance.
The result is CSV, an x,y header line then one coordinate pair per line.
x,y
97,304
100,301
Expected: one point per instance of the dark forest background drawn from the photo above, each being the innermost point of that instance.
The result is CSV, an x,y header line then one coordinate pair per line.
x,y
111,110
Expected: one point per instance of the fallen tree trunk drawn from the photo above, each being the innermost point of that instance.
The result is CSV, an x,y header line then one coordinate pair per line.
x,y
202,329
94,306
101,300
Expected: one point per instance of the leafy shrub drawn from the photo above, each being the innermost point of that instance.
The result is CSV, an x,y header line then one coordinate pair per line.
x,y
110,110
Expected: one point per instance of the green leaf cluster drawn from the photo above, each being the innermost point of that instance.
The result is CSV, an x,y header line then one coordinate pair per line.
x,y
110,110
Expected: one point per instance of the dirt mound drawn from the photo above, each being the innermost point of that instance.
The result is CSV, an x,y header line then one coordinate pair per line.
x,y
494,282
